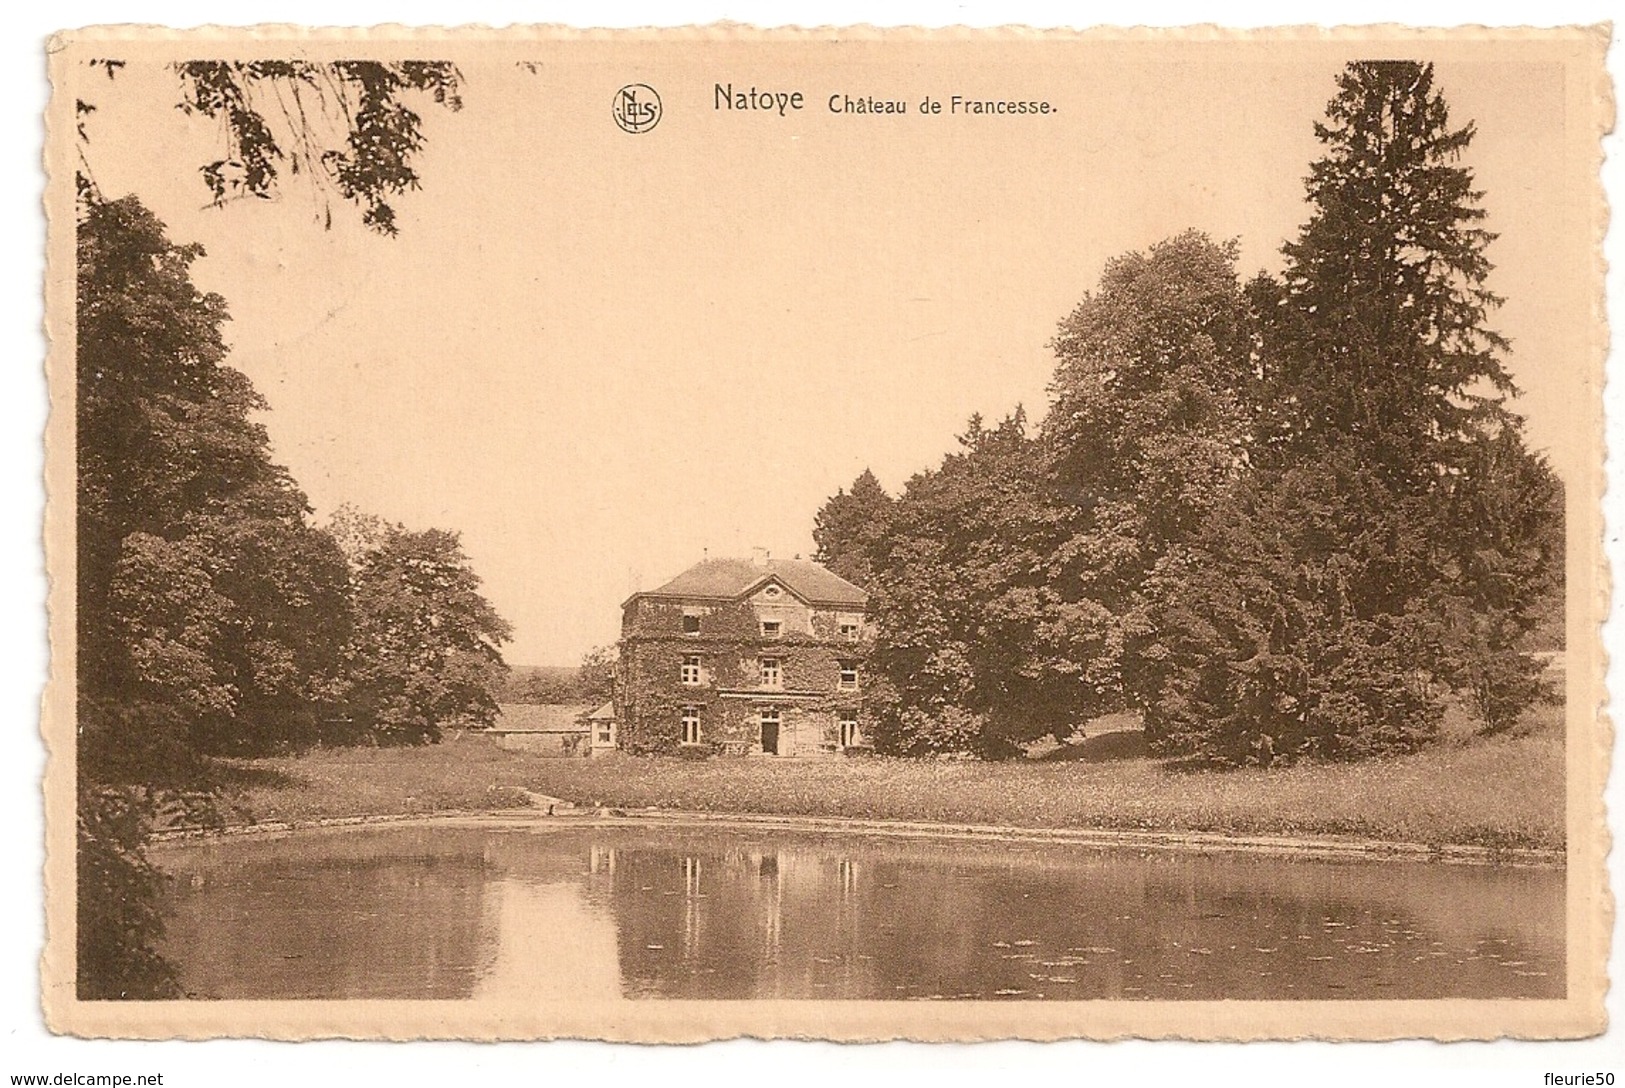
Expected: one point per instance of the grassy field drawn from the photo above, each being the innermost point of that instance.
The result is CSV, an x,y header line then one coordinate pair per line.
x,y
1501,791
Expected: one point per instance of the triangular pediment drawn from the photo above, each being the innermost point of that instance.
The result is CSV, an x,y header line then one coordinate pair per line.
x,y
764,588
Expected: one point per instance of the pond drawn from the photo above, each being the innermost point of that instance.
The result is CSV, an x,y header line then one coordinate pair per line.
x,y
561,911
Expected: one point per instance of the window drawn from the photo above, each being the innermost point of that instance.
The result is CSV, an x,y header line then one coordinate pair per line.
x,y
849,630
691,624
849,675
770,716
771,677
849,730
771,628
691,725
690,672
771,592
603,736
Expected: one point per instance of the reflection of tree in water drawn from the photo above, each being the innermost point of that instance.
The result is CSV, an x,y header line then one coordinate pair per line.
x,y
718,915
338,917
209,613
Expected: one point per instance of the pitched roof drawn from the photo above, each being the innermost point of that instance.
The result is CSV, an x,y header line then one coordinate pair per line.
x,y
541,718
730,578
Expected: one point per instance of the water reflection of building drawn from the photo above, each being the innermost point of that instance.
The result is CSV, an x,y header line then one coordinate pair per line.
x,y
758,922
692,919
588,914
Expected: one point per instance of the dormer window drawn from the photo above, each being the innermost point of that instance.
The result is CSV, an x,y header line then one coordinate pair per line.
x,y
849,631
771,628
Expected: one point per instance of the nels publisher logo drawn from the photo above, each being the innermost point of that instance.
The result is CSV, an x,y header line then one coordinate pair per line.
x,y
636,108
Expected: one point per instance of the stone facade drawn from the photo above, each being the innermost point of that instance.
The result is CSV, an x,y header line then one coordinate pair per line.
x,y
742,657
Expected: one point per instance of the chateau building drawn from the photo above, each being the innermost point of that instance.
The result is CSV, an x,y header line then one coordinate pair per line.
x,y
744,657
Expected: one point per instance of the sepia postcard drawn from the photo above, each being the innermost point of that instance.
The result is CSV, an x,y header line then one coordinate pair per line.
x,y
837,533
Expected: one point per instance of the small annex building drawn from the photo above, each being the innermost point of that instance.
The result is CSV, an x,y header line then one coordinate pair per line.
x,y
602,724
744,657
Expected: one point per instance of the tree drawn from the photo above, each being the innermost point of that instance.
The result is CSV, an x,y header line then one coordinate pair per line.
x,y
118,916
426,648
1393,534
593,681
208,611
1253,640
849,529
596,679
342,125
1148,425
203,594
555,686
976,648
1376,331
1008,579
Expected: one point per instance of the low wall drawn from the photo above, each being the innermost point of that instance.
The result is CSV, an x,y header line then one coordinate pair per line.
x,y
563,745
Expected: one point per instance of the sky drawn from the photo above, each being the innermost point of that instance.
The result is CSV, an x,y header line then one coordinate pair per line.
x,y
601,356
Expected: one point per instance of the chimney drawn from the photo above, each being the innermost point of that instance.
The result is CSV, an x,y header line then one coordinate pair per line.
x,y
759,556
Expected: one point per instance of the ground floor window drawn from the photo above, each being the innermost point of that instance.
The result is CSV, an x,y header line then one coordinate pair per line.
x,y
770,730
849,730
691,725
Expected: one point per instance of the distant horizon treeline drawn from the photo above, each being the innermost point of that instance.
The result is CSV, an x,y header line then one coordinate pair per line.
x,y
1287,518
592,681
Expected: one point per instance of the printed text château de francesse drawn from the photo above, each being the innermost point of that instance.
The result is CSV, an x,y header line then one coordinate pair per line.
x,y
725,97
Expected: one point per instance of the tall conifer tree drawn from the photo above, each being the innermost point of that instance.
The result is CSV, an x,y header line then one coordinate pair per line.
x,y
1377,330
1394,531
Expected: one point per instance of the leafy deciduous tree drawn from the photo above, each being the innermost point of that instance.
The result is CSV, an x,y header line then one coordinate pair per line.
x,y
208,611
596,677
202,591
1148,425
977,647
426,649
343,125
